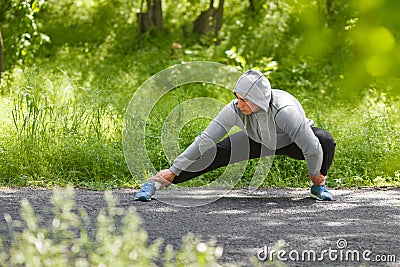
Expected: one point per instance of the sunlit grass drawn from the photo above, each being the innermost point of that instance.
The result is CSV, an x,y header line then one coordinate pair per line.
x,y
54,135
55,132
62,115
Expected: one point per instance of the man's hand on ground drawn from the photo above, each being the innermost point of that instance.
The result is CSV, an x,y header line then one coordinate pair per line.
x,y
164,177
166,174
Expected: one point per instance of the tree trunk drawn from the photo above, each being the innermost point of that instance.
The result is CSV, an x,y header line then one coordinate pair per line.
x,y
157,14
330,13
143,22
210,19
204,22
252,6
152,19
255,6
329,9
219,16
1,55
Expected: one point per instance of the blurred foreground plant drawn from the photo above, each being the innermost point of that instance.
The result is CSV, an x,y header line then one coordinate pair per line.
x,y
117,239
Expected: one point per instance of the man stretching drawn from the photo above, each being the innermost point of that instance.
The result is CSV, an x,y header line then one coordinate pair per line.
x,y
272,122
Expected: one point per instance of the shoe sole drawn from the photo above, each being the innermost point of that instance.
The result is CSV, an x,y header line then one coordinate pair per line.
x,y
318,198
143,199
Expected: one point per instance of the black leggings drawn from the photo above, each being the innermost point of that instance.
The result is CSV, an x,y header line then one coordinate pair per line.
x,y
230,150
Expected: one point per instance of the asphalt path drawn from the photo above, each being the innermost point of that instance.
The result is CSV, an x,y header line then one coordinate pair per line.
x,y
360,228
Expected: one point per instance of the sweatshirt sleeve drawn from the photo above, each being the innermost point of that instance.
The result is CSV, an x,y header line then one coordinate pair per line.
x,y
295,124
217,129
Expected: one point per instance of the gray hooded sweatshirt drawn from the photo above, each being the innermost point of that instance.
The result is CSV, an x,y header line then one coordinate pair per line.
x,y
280,122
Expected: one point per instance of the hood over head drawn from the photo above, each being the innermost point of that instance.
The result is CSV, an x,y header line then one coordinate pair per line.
x,y
253,85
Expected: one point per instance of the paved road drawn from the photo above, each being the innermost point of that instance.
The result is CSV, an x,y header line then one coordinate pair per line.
x,y
247,224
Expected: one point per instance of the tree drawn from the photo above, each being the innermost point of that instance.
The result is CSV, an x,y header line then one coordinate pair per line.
x,y
4,6
209,20
1,55
152,19
23,34
255,6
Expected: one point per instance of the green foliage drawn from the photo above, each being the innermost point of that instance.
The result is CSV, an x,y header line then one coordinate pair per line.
x,y
90,23
368,147
54,139
23,35
115,238
64,102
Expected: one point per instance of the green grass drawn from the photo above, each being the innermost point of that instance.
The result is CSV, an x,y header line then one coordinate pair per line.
x,y
55,134
62,112
58,128
368,143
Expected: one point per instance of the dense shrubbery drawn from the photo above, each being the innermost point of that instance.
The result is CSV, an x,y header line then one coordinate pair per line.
x,y
64,101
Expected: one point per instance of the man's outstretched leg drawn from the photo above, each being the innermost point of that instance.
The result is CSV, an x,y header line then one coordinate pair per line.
x,y
234,148
238,147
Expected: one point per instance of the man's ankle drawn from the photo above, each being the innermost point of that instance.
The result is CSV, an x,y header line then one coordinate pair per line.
x,y
321,184
159,182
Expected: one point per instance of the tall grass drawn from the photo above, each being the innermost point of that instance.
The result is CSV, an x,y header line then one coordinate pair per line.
x,y
366,134
54,137
56,131
61,117
368,145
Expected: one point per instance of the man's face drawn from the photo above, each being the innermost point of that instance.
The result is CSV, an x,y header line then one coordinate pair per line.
x,y
246,106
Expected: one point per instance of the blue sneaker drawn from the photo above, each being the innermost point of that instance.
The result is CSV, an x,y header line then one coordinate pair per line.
x,y
148,189
320,192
